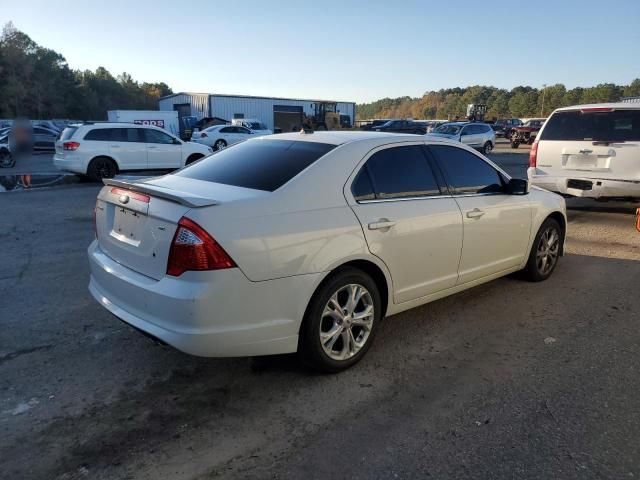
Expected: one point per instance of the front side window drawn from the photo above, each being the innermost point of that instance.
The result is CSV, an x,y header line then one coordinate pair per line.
x,y
399,172
156,136
227,130
465,172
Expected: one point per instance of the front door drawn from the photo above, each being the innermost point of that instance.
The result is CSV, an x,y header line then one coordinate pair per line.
x,y
163,151
497,226
408,222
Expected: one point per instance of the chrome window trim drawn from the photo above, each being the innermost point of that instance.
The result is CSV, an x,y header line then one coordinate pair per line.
x,y
432,197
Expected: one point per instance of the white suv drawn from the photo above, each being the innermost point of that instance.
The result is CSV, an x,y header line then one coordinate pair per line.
x,y
589,151
100,150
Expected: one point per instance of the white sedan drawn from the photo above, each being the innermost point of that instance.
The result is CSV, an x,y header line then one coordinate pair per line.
x,y
305,242
222,136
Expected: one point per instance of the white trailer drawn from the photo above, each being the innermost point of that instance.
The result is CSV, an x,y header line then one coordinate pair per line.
x,y
160,118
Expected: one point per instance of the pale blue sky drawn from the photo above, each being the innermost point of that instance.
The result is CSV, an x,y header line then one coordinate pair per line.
x,y
343,50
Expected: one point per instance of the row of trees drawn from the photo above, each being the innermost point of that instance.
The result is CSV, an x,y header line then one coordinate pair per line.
x,y
37,83
518,102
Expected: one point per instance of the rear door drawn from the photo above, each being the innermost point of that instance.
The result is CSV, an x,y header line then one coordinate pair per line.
x,y
593,142
163,151
471,135
128,146
497,225
408,222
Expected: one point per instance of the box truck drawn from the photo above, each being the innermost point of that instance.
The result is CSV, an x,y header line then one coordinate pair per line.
x,y
163,119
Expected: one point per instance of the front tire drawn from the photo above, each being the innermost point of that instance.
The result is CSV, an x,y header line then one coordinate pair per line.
x,y
193,158
6,159
101,167
487,148
341,321
545,251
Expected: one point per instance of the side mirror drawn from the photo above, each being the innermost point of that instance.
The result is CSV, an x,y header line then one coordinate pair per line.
x,y
518,186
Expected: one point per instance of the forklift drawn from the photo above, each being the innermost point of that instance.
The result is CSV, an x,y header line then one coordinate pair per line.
x,y
476,112
325,117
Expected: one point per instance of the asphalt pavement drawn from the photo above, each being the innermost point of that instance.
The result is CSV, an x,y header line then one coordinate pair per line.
x,y
507,380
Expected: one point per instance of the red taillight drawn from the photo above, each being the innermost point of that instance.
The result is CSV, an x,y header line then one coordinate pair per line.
x,y
533,155
596,109
194,249
70,145
203,135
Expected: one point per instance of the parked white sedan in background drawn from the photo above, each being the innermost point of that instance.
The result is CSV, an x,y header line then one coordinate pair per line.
x,y
305,242
101,150
222,136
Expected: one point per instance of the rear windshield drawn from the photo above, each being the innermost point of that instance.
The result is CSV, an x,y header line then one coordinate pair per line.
x,y
617,125
67,133
258,164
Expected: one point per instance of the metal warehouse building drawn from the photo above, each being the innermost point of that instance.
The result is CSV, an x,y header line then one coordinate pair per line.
x,y
284,114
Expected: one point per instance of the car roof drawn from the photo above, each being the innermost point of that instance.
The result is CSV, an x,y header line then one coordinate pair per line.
x,y
336,137
115,124
614,105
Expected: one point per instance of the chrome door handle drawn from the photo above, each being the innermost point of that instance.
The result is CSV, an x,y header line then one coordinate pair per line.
x,y
475,213
382,224
115,146
151,146
585,151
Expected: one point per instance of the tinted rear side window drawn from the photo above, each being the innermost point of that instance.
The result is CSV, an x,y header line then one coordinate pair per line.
x,y
261,165
67,133
466,172
617,125
401,172
99,134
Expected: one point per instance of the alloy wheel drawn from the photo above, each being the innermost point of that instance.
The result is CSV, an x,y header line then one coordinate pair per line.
x,y
346,323
548,250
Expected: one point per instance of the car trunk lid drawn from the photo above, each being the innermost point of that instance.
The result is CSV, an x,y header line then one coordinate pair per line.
x,y
136,220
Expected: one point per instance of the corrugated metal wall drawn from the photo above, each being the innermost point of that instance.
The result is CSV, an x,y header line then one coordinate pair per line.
x,y
199,103
205,105
262,108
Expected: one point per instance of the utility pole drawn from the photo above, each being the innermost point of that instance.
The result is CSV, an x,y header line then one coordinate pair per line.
x,y
544,88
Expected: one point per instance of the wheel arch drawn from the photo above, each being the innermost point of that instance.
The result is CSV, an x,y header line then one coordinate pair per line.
x,y
193,157
562,221
378,274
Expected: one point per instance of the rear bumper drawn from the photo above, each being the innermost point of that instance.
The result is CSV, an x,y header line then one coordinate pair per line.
x,y
69,163
584,186
211,314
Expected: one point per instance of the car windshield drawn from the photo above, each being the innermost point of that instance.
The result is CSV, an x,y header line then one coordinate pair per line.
x,y
256,126
448,129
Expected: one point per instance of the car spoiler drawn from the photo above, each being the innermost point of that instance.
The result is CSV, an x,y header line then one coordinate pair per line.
x,y
184,198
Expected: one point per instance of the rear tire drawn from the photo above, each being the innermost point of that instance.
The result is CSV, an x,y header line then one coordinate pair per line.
x,y
336,333
101,167
219,145
545,251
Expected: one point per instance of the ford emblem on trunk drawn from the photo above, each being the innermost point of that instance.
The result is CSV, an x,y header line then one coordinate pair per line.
x,y
124,198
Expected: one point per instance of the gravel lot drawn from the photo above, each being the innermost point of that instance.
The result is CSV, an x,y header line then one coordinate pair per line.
x,y
506,380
